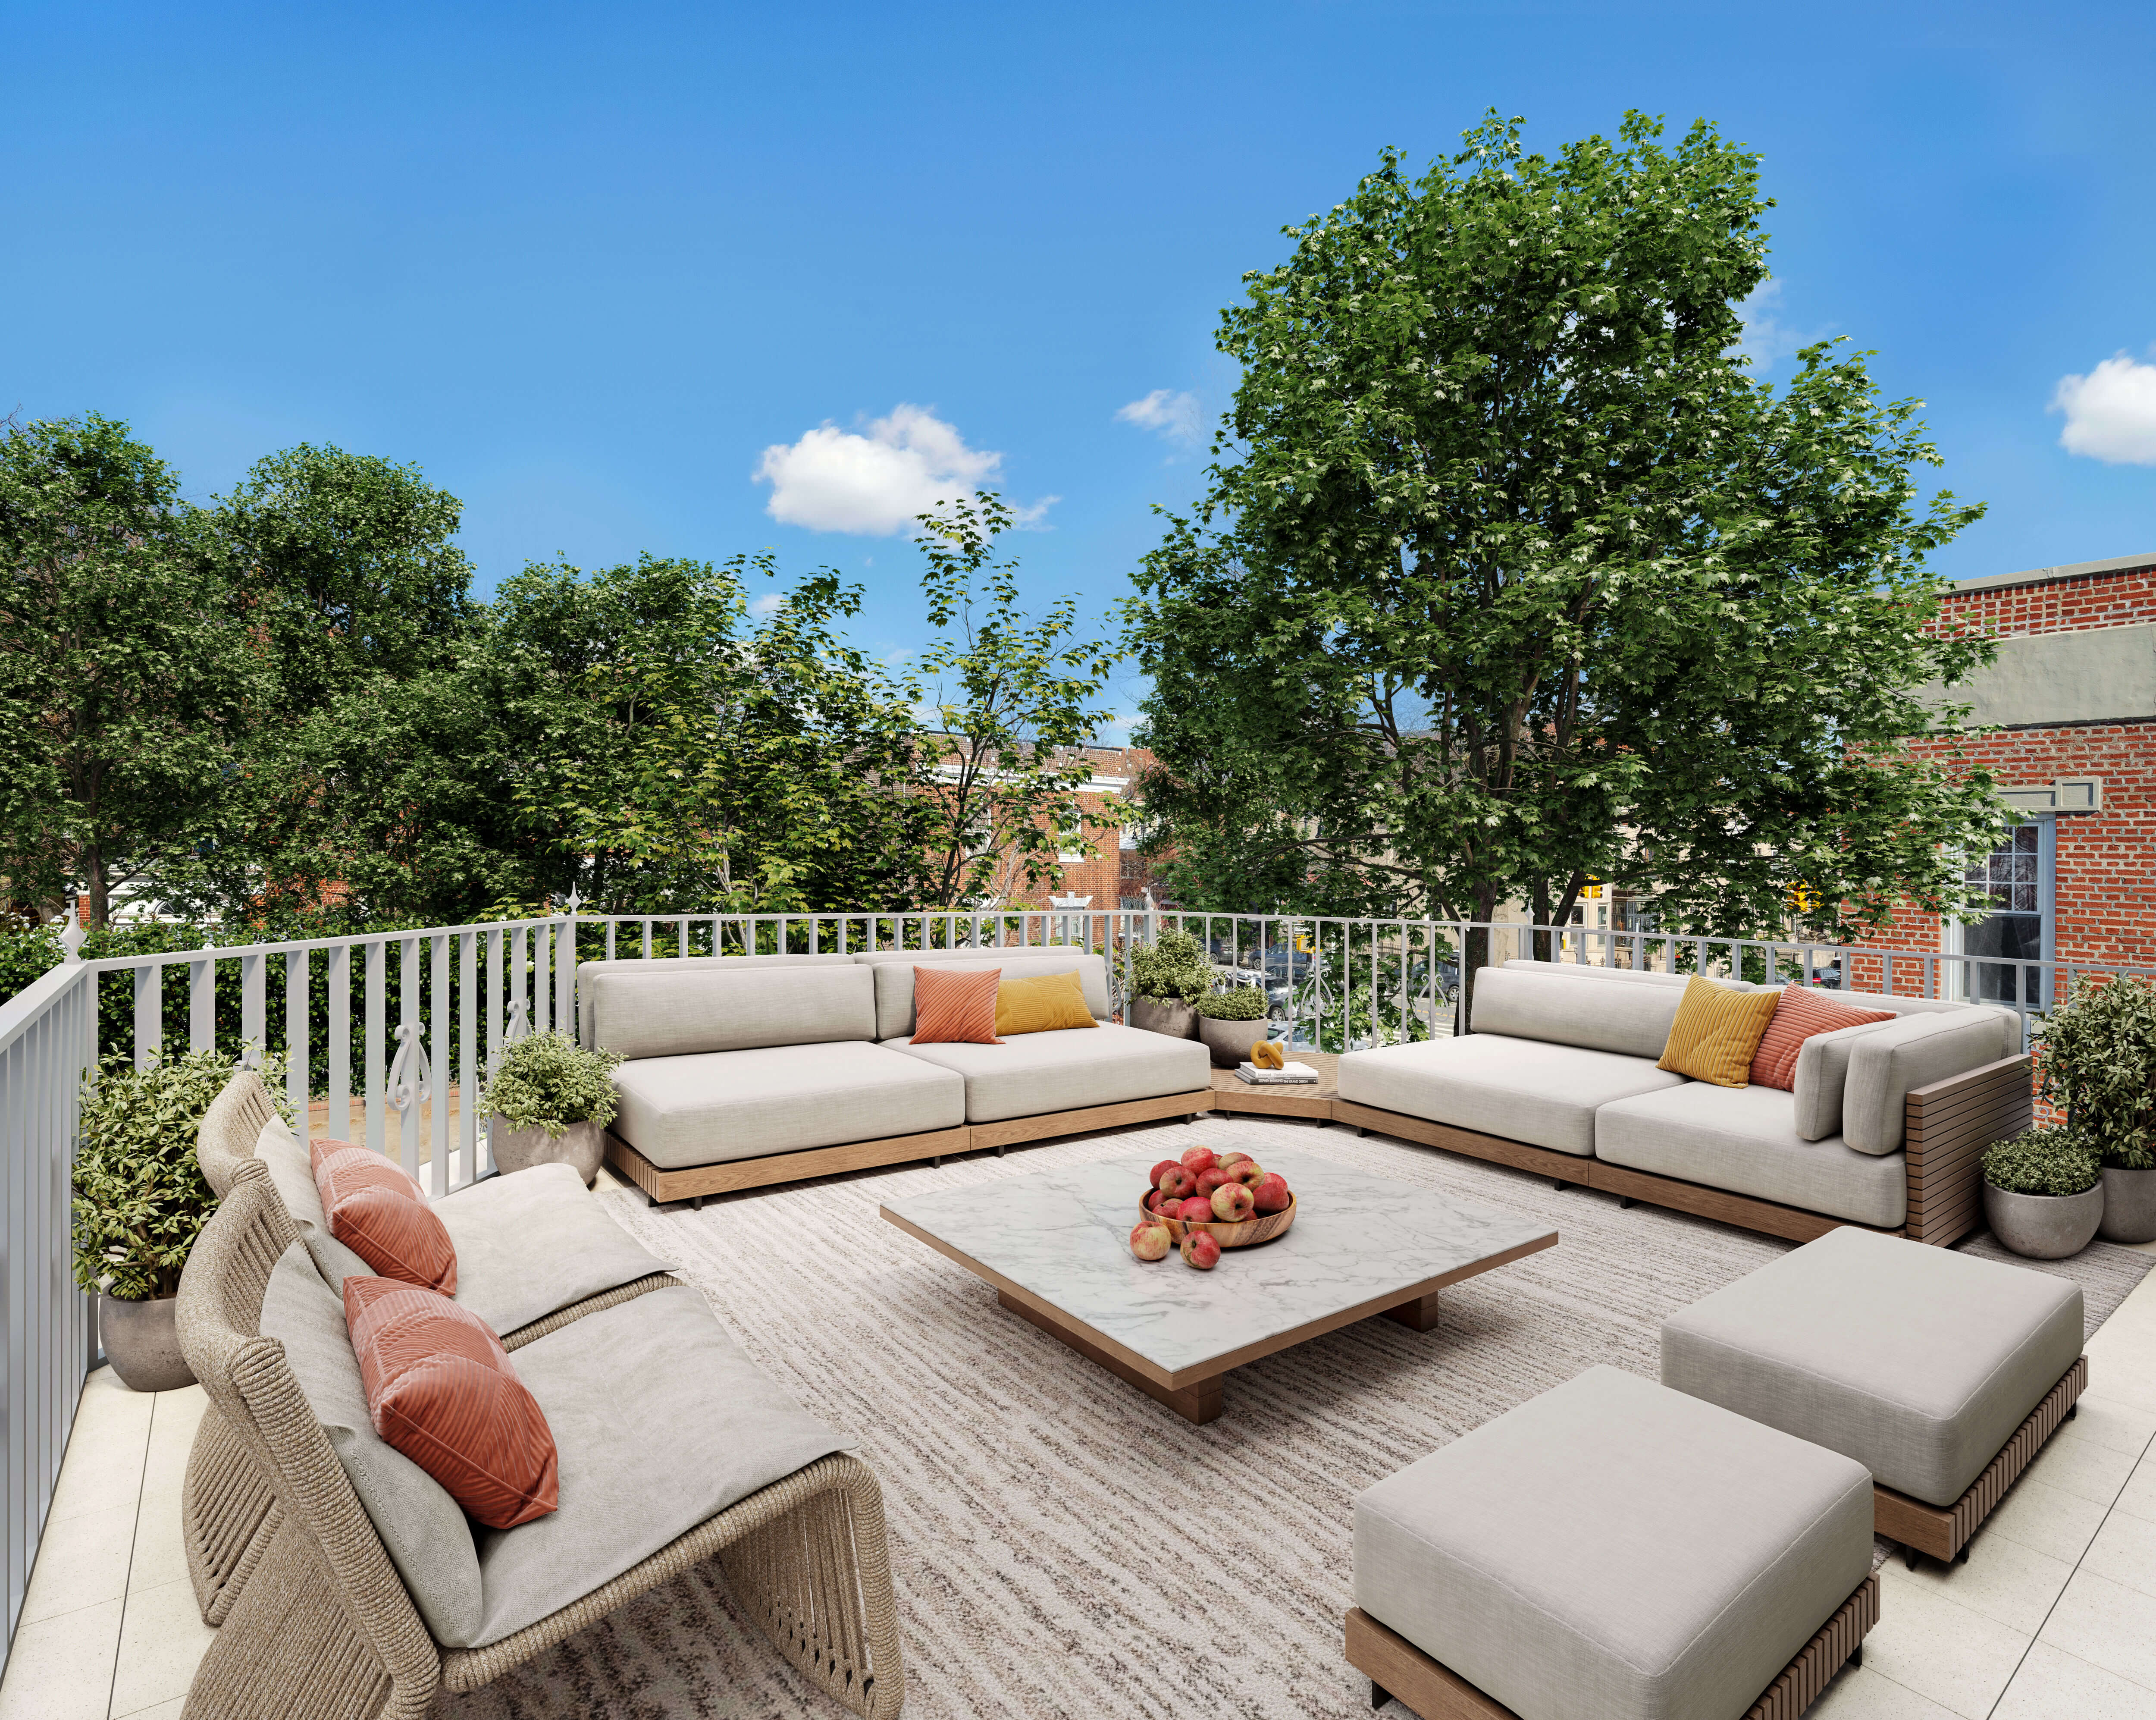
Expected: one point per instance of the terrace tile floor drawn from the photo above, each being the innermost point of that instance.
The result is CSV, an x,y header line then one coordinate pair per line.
x,y
2055,1613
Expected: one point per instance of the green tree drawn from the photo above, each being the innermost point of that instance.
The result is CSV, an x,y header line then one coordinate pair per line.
x,y
1509,576
1001,777
124,681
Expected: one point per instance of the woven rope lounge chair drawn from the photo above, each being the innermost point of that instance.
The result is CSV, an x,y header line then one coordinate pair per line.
x,y
325,1628
229,1514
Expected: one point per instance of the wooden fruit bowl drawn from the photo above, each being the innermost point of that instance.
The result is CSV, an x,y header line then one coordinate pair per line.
x,y
1259,1227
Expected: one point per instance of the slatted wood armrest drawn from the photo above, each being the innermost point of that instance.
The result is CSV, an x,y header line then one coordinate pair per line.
x,y
1945,1129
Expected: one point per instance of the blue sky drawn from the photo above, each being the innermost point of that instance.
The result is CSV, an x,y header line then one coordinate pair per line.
x,y
586,266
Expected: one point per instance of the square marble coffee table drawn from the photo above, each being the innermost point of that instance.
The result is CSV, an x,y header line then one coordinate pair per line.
x,y
1054,1245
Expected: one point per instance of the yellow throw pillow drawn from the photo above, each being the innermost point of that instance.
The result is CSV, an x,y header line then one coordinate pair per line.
x,y
1041,1004
1716,1031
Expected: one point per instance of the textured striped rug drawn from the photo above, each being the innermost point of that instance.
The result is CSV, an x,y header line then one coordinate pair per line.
x,y
1062,1545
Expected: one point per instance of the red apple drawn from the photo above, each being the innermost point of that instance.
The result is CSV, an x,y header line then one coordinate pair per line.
x,y
1150,1241
1178,1183
1153,1176
1272,1194
1200,1250
1196,1211
1198,1158
1250,1173
1208,1181
1229,1159
1232,1203
1157,1202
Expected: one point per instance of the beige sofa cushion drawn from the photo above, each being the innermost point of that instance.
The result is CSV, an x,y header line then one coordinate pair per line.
x,y
1572,1010
1885,1066
1583,970
1524,1090
1822,1075
1068,1069
680,1010
1924,1397
893,972
588,970
1745,1140
2005,1022
720,1106
660,1423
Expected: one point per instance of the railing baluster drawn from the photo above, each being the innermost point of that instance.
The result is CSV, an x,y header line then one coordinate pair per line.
x,y
298,1050
254,1008
407,1018
468,1075
149,1013
375,1065
201,1005
442,1006
340,1003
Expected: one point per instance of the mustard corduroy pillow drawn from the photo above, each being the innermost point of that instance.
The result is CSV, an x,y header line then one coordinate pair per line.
x,y
1041,1004
1716,1031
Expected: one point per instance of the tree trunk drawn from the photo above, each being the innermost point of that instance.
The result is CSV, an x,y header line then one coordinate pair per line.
x,y
95,900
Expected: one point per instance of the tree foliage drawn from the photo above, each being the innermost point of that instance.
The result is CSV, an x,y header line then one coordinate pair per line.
x,y
1509,577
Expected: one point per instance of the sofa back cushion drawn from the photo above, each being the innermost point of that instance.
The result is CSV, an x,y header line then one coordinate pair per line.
x,y
588,971
426,1533
2003,1022
894,980
666,1013
1890,1062
1822,1078
1567,1010
1585,970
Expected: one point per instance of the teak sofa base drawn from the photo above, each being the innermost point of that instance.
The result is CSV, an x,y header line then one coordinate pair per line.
x,y
1396,1667
1943,1531
694,1181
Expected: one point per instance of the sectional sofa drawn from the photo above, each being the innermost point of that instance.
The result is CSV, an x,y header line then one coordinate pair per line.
x,y
744,1070
1886,1127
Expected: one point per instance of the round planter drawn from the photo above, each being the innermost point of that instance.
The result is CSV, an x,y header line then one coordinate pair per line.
x,y
1230,1041
142,1343
2129,1206
2043,1227
581,1146
1172,1017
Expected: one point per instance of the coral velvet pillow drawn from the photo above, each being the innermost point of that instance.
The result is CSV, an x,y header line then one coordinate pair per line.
x,y
439,1388
1042,1005
1715,1032
955,1009
1800,1013
380,1215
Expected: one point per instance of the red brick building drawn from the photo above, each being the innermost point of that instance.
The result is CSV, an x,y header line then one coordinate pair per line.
x,y
2074,694
1117,875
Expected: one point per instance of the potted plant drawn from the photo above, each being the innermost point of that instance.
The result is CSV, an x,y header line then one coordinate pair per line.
x,y
1227,1023
550,1101
2097,1066
1168,978
2043,1193
139,1202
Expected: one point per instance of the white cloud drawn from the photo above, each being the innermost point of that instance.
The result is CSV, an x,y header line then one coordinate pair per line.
x,y
769,603
839,480
2111,413
1173,415
1767,337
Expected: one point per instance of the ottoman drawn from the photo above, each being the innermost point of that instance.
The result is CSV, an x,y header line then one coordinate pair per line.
x,y
1941,1373
1616,1549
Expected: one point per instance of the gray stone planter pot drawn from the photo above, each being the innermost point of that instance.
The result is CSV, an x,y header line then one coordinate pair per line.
x,y
2129,1206
142,1343
1174,1018
581,1146
2043,1227
1230,1041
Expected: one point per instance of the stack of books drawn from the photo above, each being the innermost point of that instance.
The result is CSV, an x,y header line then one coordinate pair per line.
x,y
1294,1074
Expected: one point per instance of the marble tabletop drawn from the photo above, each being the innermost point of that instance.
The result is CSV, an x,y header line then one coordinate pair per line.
x,y
1062,1235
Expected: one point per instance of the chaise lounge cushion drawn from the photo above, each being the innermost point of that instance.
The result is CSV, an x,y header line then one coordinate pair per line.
x,y
682,1011
1615,1550
1745,1140
291,1174
722,1105
1524,1090
535,1241
660,1423
1917,1362
1068,1069
1570,1010
1886,1066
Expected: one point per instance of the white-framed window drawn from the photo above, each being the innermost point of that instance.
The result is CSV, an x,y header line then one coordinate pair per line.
x,y
2020,877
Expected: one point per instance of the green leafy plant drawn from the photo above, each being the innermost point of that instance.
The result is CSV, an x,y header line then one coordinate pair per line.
x,y
2046,1161
1245,1003
2097,1063
548,1082
1172,968
140,1199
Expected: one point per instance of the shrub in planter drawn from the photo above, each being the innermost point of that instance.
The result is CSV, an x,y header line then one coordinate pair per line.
x,y
2097,1063
1225,1023
1167,977
1245,1003
550,1101
2043,1193
140,1201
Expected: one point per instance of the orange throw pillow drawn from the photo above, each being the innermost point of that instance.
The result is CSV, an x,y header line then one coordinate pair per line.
x,y
1800,1013
377,1212
440,1390
955,1009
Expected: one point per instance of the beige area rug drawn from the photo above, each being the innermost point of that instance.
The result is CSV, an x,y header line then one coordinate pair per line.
x,y
1062,1545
